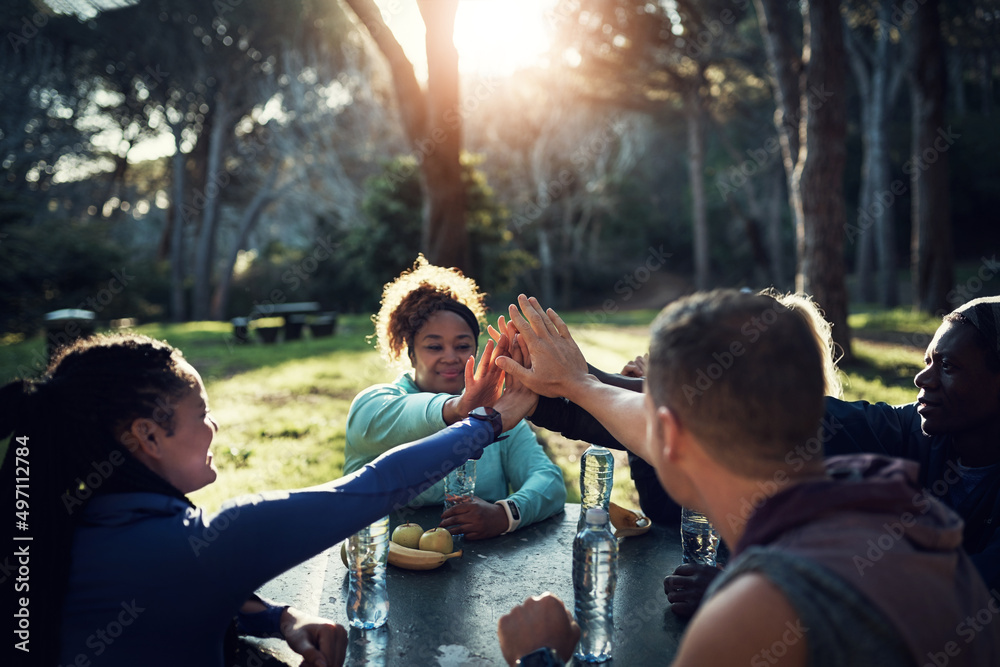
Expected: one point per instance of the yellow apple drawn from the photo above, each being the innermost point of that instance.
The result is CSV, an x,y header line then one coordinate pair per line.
x,y
407,535
437,539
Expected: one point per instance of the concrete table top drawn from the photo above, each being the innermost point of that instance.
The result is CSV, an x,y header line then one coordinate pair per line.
x,y
448,616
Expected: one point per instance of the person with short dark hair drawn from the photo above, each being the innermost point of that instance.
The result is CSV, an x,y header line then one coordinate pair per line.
x,y
796,528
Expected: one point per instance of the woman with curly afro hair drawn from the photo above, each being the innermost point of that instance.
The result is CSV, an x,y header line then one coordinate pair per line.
x,y
429,326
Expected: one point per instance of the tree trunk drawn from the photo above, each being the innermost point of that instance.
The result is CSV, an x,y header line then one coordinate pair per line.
x,y
445,237
776,248
986,80
432,124
264,196
956,77
545,264
206,205
878,74
177,231
811,121
932,263
696,166
820,172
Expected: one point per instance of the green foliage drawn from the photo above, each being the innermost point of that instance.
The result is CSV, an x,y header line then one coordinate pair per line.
x,y
374,252
57,264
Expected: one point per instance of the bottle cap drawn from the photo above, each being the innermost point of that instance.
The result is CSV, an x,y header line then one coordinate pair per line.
x,y
597,516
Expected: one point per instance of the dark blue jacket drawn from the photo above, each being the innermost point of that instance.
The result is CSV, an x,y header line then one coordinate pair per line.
x,y
894,430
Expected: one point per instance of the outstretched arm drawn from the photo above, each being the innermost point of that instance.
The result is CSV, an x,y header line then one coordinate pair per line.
x,y
558,368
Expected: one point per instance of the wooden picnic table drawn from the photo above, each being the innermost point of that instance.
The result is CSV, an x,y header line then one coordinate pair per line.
x,y
448,616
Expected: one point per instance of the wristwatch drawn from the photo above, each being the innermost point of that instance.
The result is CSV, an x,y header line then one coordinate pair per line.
x,y
513,514
489,415
543,657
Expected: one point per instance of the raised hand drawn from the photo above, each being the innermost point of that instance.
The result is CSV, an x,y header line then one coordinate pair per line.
x,y
556,360
517,401
483,383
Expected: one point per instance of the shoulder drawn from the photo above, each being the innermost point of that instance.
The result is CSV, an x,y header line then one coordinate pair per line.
x,y
749,636
386,391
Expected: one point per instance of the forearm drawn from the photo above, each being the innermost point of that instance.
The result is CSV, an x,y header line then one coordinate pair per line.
x,y
619,410
290,519
572,421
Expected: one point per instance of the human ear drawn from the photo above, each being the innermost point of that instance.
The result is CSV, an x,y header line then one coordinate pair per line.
x,y
144,437
670,428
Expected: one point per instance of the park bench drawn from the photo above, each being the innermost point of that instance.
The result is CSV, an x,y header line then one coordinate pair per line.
x,y
295,317
66,325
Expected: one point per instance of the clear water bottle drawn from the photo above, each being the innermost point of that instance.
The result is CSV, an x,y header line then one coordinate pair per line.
x,y
597,477
699,540
460,484
367,555
459,487
595,575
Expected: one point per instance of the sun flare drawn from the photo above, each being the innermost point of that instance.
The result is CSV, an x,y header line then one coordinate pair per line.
x,y
492,36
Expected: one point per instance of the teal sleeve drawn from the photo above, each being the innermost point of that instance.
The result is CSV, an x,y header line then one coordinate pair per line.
x,y
384,416
537,483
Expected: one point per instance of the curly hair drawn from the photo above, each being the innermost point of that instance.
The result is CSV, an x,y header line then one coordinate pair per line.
x,y
415,295
72,420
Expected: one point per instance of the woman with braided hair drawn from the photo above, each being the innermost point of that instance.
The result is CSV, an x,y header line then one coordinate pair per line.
x,y
125,570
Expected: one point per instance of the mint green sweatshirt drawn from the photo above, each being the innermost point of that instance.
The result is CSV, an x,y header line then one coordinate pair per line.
x,y
386,415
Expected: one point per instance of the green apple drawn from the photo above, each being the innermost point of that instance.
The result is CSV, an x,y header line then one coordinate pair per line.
x,y
437,539
407,535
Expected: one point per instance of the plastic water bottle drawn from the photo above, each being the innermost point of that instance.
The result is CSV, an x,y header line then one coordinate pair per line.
x,y
597,477
699,541
367,555
595,575
460,484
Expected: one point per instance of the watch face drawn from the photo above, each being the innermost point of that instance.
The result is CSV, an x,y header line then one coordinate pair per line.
x,y
514,512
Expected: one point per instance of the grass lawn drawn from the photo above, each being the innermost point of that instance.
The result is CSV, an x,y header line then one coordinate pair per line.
x,y
282,408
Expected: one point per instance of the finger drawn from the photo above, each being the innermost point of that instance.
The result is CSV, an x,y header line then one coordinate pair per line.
x,y
525,357
558,323
486,360
470,372
536,315
334,645
494,334
502,325
517,320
